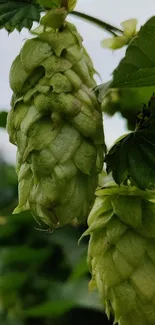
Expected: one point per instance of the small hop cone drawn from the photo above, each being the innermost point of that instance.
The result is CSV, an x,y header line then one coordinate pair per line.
x,y
56,124
121,253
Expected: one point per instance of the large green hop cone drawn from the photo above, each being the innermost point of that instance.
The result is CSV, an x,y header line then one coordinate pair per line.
x,y
56,124
121,253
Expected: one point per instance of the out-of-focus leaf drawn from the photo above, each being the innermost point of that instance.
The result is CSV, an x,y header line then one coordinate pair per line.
x,y
42,275
50,309
3,118
68,240
79,270
12,281
83,297
137,69
24,254
71,294
15,14
8,185
127,101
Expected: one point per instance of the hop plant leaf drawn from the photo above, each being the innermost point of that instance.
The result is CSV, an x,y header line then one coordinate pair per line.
x,y
18,14
121,253
137,68
56,123
50,4
132,157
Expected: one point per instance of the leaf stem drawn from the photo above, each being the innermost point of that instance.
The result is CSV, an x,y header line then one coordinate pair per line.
x,y
102,24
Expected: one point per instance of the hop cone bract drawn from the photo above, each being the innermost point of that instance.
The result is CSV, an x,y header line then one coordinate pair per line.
x,y
56,123
121,253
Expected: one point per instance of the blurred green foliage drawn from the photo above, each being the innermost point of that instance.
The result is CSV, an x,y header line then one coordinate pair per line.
x,y
126,101
43,276
3,118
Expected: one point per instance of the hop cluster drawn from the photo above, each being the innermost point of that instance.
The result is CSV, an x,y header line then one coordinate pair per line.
x,y
56,124
121,253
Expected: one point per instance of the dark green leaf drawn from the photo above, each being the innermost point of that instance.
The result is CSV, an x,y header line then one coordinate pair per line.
x,y
68,240
12,281
50,4
69,295
137,69
16,14
24,254
133,157
80,269
50,309
3,118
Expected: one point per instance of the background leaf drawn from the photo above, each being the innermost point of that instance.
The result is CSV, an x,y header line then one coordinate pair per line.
x,y
16,14
3,118
70,295
137,69
43,277
126,101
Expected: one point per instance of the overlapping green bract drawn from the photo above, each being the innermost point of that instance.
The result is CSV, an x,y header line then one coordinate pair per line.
x,y
56,123
121,253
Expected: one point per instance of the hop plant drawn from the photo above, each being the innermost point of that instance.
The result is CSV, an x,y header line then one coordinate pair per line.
x,y
121,253
56,124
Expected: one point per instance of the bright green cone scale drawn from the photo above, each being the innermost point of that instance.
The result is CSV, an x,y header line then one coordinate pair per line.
x,y
56,123
121,253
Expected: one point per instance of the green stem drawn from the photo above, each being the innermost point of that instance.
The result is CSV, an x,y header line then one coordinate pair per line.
x,y
109,28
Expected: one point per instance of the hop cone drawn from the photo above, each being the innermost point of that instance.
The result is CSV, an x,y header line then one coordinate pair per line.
x,y
121,253
56,124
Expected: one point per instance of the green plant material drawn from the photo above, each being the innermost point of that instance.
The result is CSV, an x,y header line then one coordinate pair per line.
x,y
137,69
18,14
121,253
56,123
66,299
127,101
30,287
50,4
8,185
3,118
102,24
129,27
132,157
71,5
54,18
117,42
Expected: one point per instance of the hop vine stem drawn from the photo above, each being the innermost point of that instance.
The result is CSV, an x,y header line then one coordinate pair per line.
x,y
102,24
